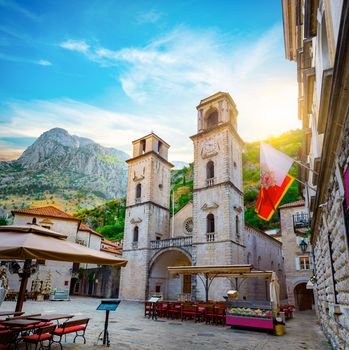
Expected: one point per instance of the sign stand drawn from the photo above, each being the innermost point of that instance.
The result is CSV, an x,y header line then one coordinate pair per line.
x,y
107,305
154,300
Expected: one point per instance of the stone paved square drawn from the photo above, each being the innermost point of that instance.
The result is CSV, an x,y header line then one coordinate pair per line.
x,y
129,330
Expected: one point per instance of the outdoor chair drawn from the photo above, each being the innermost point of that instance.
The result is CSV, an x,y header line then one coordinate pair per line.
x,y
42,335
162,309
189,311
219,315
210,316
174,310
6,338
148,307
76,326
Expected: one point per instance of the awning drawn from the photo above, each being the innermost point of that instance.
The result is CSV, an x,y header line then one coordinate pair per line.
x,y
211,269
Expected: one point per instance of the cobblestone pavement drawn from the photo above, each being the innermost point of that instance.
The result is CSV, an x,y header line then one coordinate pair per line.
x,y
129,330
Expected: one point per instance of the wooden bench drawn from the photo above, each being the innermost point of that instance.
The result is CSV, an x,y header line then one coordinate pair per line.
x,y
40,336
68,327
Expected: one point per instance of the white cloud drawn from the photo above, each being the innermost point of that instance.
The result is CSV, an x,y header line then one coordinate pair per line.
x,y
111,129
75,45
44,63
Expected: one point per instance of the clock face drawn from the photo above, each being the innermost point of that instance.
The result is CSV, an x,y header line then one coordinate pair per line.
x,y
210,148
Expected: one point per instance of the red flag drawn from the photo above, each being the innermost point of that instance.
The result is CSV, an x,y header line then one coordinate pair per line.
x,y
275,180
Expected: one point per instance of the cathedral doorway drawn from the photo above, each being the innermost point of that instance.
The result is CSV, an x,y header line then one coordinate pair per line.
x,y
161,282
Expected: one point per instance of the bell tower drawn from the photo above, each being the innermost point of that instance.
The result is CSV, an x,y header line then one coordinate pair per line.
x,y
147,211
218,215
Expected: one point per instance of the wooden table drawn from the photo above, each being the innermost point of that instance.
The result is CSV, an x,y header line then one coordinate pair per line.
x,y
50,317
11,313
19,323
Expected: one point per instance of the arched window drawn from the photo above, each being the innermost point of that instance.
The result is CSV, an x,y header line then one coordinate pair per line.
x,y
34,221
138,191
259,262
210,223
249,258
212,119
210,170
135,234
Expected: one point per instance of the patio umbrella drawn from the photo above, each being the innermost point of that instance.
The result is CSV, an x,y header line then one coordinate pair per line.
x,y
274,292
29,242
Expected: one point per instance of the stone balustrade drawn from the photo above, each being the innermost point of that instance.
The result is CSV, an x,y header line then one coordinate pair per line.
x,y
172,242
210,182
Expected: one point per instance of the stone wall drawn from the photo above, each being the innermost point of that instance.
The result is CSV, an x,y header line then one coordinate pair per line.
x,y
291,251
331,249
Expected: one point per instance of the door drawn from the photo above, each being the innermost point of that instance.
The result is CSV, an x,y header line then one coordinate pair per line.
x,y
186,284
304,297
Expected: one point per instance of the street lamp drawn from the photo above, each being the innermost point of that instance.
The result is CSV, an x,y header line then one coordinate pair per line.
x,y
303,245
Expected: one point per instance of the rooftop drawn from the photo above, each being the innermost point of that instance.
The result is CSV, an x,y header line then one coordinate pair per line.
x,y
49,211
84,227
293,204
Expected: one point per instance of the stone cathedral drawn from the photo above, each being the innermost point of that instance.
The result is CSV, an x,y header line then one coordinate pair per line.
x,y
210,230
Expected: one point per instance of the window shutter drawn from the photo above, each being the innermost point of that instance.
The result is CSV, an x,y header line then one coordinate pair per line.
x,y
297,263
311,263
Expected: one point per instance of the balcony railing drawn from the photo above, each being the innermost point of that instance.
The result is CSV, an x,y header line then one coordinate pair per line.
x,y
210,182
172,242
210,237
301,223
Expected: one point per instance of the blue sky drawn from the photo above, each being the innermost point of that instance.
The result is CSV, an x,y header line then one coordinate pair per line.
x,y
115,70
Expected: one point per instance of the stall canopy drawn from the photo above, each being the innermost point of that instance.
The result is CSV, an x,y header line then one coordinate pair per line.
x,y
29,242
233,272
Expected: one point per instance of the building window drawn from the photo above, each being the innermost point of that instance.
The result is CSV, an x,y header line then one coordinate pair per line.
x,y
210,170
34,221
138,191
188,225
259,262
212,119
303,263
135,234
210,223
237,226
249,258
157,289
142,146
159,146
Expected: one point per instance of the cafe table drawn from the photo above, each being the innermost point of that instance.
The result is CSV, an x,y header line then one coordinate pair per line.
x,y
51,317
20,323
11,313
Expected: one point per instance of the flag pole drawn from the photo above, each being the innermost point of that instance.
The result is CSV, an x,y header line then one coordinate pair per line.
x,y
301,164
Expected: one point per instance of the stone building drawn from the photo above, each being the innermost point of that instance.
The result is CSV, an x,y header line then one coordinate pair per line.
x,y
64,275
210,230
317,37
296,253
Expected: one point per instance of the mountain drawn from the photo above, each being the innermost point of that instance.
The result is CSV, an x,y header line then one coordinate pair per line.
x,y
66,170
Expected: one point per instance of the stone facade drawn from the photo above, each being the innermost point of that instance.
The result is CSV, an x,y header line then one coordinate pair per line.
x,y
317,37
298,264
147,212
210,230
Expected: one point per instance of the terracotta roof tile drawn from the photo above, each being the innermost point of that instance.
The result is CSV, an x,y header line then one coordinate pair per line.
x,y
84,227
49,211
293,204
111,250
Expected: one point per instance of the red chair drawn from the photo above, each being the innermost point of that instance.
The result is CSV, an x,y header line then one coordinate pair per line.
x,y
174,310
42,335
6,338
210,315
162,309
148,307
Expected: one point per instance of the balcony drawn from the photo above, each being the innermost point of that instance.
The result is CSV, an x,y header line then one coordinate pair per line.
x,y
172,242
301,223
210,182
210,237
